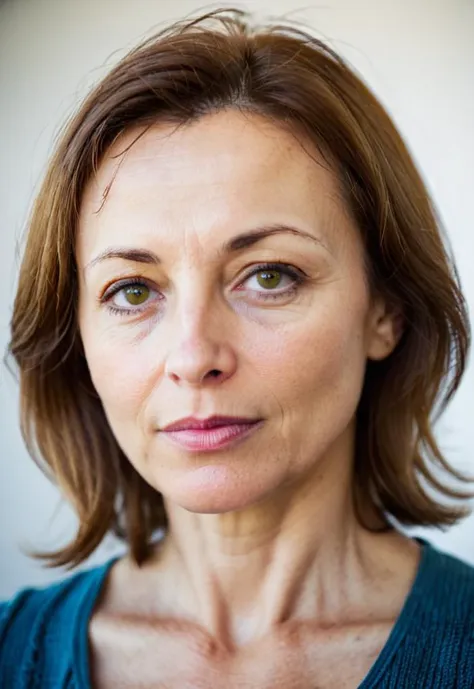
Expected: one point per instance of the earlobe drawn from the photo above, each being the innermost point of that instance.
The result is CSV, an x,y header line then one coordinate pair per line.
x,y
386,331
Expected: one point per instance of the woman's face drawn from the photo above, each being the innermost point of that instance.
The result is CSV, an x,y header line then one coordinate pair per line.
x,y
223,276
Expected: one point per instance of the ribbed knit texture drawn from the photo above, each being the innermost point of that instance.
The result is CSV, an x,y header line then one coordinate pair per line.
x,y
43,632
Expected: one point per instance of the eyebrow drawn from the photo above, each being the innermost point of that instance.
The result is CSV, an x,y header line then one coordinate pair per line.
x,y
241,241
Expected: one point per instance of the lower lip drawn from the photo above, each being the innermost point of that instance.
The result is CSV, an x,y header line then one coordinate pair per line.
x,y
211,438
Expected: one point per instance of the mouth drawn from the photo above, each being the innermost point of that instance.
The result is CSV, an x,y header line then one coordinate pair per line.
x,y
207,435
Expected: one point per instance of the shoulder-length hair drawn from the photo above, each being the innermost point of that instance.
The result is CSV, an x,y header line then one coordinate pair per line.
x,y
192,68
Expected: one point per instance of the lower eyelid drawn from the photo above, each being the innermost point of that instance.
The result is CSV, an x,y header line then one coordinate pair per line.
x,y
274,294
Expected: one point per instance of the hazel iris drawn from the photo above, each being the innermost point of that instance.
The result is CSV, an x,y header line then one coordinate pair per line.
x,y
136,294
269,278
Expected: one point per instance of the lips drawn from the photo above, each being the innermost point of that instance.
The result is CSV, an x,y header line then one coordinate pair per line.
x,y
191,423
213,433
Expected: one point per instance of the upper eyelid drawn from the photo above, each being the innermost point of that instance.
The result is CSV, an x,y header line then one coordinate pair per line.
x,y
286,269
248,270
113,288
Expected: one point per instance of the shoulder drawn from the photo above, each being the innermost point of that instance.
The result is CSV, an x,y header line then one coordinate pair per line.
x,y
38,629
447,586
439,620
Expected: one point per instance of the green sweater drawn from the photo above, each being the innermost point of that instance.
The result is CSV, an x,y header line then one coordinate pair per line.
x,y
44,632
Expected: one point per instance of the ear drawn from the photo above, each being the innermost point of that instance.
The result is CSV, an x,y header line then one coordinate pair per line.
x,y
386,326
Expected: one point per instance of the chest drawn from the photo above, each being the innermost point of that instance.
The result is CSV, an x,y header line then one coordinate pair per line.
x,y
165,656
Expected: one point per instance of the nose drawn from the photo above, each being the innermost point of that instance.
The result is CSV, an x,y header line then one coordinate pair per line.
x,y
200,354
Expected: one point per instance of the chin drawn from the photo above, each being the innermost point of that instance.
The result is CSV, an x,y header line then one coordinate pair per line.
x,y
214,490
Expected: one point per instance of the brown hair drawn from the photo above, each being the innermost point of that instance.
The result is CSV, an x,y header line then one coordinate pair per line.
x,y
192,68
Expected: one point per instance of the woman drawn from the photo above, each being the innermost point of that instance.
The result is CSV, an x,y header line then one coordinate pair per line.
x,y
234,318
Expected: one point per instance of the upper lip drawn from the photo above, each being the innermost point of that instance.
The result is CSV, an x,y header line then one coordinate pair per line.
x,y
192,423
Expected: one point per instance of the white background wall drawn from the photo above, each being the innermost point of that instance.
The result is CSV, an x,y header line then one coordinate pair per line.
x,y
418,55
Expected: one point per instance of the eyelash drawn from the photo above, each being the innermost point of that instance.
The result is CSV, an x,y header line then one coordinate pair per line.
x,y
298,277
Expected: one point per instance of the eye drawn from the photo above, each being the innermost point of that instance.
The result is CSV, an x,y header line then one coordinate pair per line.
x,y
129,296
273,281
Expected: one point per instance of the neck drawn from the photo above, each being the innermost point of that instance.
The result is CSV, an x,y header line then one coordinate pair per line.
x,y
298,555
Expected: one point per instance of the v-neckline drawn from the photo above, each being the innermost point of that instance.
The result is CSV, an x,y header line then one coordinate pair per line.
x,y
81,660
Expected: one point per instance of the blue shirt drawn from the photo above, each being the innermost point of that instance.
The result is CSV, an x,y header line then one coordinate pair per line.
x,y
44,632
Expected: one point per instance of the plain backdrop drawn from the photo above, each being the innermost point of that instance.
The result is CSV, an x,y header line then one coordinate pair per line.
x,y
417,55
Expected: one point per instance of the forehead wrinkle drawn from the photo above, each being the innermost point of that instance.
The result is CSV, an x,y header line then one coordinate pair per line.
x,y
121,155
280,148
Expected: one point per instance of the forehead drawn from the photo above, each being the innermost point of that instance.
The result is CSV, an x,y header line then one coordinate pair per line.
x,y
223,169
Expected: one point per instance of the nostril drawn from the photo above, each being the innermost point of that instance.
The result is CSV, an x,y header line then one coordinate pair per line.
x,y
214,373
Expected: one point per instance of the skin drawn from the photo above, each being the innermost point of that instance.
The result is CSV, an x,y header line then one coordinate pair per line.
x,y
264,559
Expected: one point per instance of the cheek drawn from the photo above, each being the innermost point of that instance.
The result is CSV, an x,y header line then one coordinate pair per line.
x,y
324,349
313,373
120,374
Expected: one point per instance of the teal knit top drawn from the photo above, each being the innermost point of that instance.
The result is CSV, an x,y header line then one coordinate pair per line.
x,y
44,632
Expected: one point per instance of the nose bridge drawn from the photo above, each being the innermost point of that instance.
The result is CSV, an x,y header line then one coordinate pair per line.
x,y
199,349
195,308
